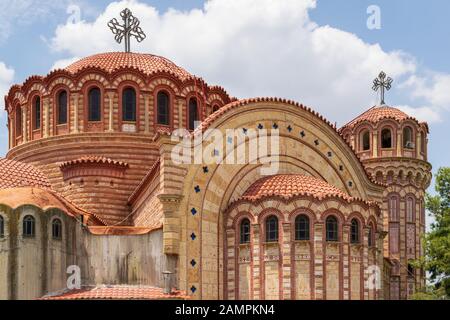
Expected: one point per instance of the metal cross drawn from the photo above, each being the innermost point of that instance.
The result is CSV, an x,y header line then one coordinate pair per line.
x,y
382,83
129,29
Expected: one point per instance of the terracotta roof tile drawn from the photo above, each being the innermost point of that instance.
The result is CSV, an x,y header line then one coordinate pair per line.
x,y
118,292
112,61
14,174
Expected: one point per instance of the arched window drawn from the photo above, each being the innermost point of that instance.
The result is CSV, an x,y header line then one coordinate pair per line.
x,y
29,226
386,139
302,228
393,208
354,231
18,121
370,238
95,96
332,229
163,108
410,270
272,229
408,141
422,142
193,113
129,105
37,113
245,231
410,208
2,227
62,107
365,140
56,229
215,108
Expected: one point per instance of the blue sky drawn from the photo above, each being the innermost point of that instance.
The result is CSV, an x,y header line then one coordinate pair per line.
x,y
30,43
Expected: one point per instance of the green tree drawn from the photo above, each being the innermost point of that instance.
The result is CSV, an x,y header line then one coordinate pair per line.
x,y
437,241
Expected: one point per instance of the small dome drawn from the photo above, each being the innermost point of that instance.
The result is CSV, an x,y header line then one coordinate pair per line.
x,y
16,174
376,114
147,63
291,185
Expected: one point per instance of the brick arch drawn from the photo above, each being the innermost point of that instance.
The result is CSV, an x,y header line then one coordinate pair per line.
x,y
138,81
163,81
92,77
60,81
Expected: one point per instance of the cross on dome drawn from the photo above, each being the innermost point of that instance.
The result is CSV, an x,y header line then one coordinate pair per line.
x,y
129,29
383,84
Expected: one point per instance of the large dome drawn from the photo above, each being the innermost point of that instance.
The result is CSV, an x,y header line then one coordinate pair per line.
x,y
147,63
376,114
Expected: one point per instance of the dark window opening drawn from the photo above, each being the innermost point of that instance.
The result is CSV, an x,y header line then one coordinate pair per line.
x,y
129,105
331,229
37,113
245,231
354,231
408,142
28,226
272,229
62,107
56,229
95,104
370,239
163,108
2,227
18,121
366,140
193,113
302,228
386,139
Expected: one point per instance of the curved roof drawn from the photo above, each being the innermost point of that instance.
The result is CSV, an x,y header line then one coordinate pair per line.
x,y
378,113
113,61
93,160
16,174
291,185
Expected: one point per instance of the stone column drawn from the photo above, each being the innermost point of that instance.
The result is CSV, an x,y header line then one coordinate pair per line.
x,y
286,261
24,125
346,257
46,118
147,116
171,224
256,263
231,262
75,113
318,261
111,113
418,144
375,145
399,144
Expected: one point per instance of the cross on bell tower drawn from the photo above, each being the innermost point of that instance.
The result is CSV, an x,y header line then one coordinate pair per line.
x,y
129,29
383,84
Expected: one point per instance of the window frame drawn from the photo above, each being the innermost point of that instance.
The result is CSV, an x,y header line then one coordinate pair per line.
x,y
328,238
244,235
56,222
2,227
19,121
355,235
32,220
363,134
134,110
269,231
388,129
371,236
36,117
167,107
59,108
410,203
411,131
197,113
89,104
299,228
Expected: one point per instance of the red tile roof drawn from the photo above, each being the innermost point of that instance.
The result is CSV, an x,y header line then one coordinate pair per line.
x,y
378,113
290,185
118,292
120,230
14,174
112,61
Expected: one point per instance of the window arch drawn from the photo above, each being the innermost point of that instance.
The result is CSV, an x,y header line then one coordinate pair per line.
x,y
215,108
193,113
62,107
56,229
18,121
386,138
37,113
393,208
302,227
408,140
354,231
29,226
410,209
129,104
272,229
332,229
371,236
2,227
94,104
365,140
245,231
163,108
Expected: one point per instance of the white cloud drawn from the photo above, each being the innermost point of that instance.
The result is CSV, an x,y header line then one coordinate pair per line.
x,y
255,48
6,79
434,89
427,114
63,63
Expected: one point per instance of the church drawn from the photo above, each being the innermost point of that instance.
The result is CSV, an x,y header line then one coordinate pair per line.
x,y
90,186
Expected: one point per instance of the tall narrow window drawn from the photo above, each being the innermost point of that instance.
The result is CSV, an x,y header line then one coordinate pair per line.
x,y
331,229
245,231
2,227
272,229
422,143
62,107
393,208
354,231
94,104
370,238
28,226
37,113
408,141
56,229
386,139
366,140
302,228
129,105
394,237
193,113
410,206
163,108
18,121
